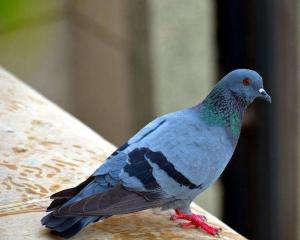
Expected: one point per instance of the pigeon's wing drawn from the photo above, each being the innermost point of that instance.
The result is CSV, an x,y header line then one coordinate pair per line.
x,y
117,200
114,163
128,164
105,177
140,192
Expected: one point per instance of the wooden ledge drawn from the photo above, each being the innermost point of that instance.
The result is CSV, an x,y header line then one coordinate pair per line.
x,y
44,149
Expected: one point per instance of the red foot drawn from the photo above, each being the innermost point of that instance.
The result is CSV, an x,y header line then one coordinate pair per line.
x,y
196,221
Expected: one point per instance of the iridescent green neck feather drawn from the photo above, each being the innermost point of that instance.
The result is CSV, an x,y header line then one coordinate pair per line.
x,y
223,108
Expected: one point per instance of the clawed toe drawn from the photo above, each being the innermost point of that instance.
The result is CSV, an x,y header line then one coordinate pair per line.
x,y
217,232
198,221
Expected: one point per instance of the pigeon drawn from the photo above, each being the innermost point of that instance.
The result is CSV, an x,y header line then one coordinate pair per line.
x,y
166,164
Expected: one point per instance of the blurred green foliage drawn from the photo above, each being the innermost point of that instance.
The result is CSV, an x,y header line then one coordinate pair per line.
x,y
10,11
14,13
28,31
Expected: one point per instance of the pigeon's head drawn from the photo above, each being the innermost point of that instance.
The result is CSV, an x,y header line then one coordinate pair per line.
x,y
245,84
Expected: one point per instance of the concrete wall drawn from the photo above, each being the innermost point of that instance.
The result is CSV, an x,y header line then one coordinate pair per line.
x,y
182,43
183,52
100,67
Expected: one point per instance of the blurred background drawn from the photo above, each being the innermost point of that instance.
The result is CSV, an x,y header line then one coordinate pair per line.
x,y
117,64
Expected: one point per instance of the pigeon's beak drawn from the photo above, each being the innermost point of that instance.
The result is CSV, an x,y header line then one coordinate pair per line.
x,y
263,94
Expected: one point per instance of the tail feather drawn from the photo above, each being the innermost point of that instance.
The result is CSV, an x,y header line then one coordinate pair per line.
x,y
74,229
57,203
67,227
70,192
68,223
51,221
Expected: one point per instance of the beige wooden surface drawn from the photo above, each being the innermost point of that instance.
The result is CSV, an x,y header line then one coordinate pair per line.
x,y
42,150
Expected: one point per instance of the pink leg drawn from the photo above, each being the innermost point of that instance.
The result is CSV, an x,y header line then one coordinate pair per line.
x,y
196,221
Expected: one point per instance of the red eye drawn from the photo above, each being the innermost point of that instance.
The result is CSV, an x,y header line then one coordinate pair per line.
x,y
246,81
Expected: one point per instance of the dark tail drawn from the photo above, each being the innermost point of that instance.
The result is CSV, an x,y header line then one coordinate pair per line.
x,y
65,195
67,227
